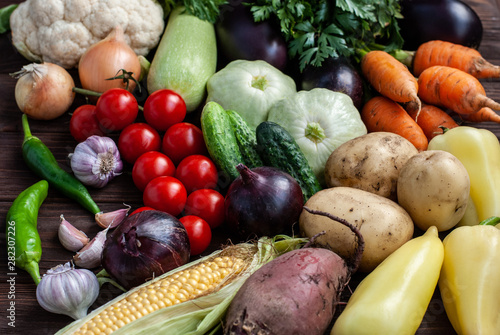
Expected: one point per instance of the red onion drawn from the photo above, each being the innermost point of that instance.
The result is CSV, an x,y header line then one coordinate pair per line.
x,y
144,246
264,201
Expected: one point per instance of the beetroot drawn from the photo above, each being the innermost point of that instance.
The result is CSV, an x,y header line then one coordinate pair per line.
x,y
296,293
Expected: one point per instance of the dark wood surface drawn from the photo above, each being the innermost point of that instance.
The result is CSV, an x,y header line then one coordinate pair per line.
x,y
29,317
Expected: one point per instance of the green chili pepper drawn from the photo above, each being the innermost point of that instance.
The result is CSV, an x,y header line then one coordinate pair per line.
x,y
24,247
41,160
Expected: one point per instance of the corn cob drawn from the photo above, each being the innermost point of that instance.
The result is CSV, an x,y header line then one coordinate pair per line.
x,y
188,300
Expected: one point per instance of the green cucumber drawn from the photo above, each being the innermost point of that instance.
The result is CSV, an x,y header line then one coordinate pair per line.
x,y
278,149
185,59
246,139
220,139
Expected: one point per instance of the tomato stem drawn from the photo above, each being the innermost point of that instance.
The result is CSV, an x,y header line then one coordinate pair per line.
x,y
86,92
93,93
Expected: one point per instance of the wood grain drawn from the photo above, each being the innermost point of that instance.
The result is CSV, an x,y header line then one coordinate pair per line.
x,y
15,177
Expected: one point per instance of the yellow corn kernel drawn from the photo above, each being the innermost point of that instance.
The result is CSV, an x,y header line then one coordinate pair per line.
x,y
190,283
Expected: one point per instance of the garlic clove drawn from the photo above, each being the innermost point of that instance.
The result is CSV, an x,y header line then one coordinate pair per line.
x,y
89,256
112,219
66,290
70,237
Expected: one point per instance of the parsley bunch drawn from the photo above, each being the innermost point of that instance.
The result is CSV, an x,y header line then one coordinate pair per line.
x,y
319,29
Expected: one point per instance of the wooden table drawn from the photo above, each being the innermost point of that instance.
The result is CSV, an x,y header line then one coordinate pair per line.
x,y
18,290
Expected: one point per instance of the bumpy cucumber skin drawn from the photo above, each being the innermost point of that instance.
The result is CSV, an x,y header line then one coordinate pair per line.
x,y
220,139
246,139
185,59
279,149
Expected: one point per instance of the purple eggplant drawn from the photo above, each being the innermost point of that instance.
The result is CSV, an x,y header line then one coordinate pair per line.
x,y
446,20
239,37
336,74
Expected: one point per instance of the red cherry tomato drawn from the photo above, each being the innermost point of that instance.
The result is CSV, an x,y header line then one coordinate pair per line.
x,y
199,233
183,139
140,209
84,123
208,204
164,108
150,165
165,193
116,108
197,172
136,139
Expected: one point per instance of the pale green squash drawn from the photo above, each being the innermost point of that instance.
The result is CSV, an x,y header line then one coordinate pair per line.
x,y
185,58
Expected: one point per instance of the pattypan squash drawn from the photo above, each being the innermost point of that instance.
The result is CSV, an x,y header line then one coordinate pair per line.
x,y
320,120
250,88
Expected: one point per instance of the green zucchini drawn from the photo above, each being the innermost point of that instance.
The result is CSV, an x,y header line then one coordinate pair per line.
x,y
278,149
246,139
185,59
220,139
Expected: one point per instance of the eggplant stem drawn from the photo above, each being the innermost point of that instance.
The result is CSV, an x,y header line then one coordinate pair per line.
x,y
355,262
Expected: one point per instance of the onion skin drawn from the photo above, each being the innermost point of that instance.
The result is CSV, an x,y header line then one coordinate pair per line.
x,y
104,60
44,91
264,201
143,246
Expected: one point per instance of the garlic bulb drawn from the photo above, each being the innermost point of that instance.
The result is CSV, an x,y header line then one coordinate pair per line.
x,y
96,161
70,237
66,290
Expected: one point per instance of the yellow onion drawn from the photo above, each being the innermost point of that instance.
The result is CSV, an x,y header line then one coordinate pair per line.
x,y
106,59
43,91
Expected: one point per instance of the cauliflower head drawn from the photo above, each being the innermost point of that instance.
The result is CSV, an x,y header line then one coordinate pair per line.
x,y
60,31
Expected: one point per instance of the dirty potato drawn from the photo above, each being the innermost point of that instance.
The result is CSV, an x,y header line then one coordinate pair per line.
x,y
384,225
433,187
370,162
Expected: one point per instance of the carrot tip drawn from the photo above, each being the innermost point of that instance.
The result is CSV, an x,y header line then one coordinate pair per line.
x,y
415,107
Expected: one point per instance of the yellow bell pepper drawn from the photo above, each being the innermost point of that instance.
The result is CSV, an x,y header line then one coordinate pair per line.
x,y
479,151
470,280
394,297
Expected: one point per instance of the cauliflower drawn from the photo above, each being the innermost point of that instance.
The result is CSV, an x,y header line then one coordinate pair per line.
x,y
59,31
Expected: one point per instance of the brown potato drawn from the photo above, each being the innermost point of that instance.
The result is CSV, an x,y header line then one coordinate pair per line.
x,y
384,224
433,187
370,162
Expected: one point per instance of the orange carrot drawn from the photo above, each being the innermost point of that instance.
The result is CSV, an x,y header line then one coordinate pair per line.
x,y
453,55
485,114
383,114
454,89
431,119
390,77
